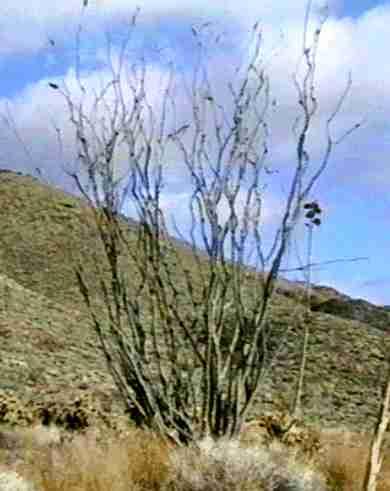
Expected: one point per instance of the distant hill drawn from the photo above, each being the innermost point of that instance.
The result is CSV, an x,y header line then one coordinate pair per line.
x,y
47,345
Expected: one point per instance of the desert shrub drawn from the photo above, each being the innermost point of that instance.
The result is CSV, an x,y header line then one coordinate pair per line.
x,y
226,465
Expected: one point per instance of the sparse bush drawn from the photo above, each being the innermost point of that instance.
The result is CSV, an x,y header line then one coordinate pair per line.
x,y
187,342
227,466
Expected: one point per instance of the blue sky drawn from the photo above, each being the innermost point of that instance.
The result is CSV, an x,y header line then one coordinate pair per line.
x,y
355,8
354,191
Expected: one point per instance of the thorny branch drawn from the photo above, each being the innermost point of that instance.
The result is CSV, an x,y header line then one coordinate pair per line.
x,y
186,336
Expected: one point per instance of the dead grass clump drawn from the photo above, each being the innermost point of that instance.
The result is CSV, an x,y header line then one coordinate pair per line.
x,y
17,443
135,462
9,440
11,481
344,461
140,461
228,466
344,467
42,436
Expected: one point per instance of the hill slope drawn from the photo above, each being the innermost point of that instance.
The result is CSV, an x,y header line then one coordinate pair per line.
x,y
47,345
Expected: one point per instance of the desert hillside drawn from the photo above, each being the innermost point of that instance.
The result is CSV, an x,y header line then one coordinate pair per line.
x,y
49,354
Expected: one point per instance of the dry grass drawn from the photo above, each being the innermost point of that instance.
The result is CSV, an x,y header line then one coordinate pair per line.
x,y
12,481
83,463
344,461
140,461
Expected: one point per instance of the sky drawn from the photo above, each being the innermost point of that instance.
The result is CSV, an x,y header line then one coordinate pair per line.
x,y
39,45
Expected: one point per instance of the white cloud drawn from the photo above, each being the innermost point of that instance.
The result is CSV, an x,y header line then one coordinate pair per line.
x,y
178,202
39,110
359,45
176,210
346,44
26,25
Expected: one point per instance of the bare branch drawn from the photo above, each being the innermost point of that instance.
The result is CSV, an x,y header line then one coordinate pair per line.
x,y
187,336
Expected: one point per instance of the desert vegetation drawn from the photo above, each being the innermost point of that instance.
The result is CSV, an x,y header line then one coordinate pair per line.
x,y
189,332
49,459
192,374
